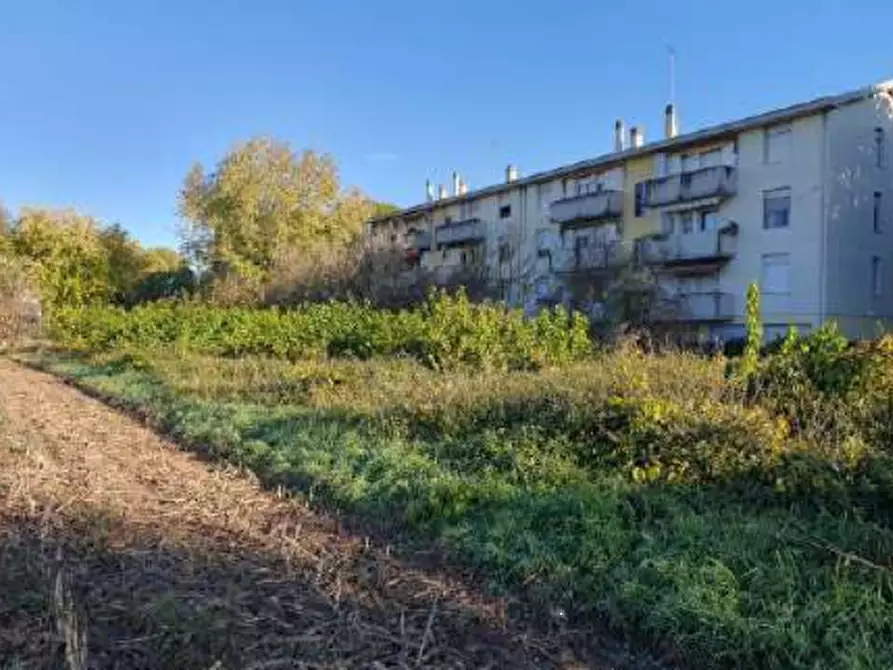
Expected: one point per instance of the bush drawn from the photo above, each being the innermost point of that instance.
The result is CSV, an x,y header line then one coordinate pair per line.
x,y
448,331
20,309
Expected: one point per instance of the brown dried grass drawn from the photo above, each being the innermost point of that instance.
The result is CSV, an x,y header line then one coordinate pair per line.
x,y
112,538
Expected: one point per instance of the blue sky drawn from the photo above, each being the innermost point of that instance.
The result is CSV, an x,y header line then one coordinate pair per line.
x,y
104,104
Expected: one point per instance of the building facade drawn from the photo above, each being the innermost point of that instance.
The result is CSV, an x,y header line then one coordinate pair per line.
x,y
798,200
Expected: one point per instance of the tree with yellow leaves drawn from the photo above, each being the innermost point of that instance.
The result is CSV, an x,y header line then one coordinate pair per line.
x,y
261,201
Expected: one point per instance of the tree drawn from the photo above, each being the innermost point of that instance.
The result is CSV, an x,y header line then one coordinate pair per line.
x,y
261,201
751,357
126,261
161,259
77,261
71,262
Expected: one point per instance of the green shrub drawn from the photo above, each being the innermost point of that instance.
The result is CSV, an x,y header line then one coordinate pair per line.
x,y
449,331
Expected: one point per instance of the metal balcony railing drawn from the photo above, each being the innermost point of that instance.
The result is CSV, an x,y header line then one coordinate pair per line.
x,y
695,247
710,182
459,232
419,240
707,306
606,204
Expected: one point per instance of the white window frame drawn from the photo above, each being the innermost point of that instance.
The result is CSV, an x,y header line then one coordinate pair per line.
x,y
779,133
775,260
777,194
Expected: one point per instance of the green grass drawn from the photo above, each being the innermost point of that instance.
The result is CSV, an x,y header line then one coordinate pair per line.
x,y
636,489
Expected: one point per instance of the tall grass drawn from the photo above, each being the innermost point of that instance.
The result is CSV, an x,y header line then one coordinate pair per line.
x,y
711,523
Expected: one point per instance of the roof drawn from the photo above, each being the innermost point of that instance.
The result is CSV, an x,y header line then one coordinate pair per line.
x,y
779,115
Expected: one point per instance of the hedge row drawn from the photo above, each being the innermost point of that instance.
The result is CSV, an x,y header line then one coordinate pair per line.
x,y
447,331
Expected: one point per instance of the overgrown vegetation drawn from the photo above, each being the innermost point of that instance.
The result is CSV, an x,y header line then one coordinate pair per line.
x,y
721,525
448,331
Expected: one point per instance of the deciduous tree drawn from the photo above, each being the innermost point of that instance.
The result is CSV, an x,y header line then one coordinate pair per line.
x,y
262,200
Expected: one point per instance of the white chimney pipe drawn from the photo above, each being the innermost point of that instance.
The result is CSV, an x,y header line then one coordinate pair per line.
x,y
429,191
456,181
670,123
441,192
619,136
636,137
511,174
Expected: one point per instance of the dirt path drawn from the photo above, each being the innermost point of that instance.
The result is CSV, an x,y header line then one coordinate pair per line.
x,y
110,535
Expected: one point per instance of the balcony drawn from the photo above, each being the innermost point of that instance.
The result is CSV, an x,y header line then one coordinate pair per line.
x,y
598,258
418,240
587,208
702,307
719,181
457,233
698,250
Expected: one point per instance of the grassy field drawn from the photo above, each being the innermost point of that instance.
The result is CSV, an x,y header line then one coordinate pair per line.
x,y
648,492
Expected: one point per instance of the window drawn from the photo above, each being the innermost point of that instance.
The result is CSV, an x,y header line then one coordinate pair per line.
x,y
876,215
708,219
545,196
505,252
777,208
466,209
877,277
775,273
542,289
689,162
711,158
640,198
687,222
880,149
666,223
581,244
777,144
505,212
447,220
543,241
673,165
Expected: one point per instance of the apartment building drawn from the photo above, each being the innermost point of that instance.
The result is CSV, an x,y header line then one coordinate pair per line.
x,y
799,200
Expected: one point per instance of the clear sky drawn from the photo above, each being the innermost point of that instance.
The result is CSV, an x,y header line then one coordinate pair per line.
x,y
104,104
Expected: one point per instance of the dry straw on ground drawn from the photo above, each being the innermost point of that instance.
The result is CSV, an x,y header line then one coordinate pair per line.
x,y
112,537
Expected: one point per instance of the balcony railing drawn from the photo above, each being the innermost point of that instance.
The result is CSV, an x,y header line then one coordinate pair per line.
x,y
694,248
719,181
419,240
607,204
599,257
709,306
459,232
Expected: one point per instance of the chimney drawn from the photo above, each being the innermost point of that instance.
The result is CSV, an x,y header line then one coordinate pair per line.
x,y
636,138
670,127
619,139
429,191
456,181
463,187
441,192
511,173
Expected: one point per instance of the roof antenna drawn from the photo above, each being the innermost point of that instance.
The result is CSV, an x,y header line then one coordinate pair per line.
x,y
672,55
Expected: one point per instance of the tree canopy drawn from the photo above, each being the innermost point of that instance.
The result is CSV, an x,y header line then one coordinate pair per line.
x,y
263,200
78,261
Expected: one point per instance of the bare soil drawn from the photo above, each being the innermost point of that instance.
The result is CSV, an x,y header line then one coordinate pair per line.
x,y
118,550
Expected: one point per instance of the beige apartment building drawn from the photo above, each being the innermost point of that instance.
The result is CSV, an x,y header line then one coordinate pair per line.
x,y
798,200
